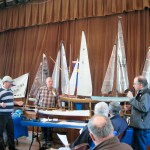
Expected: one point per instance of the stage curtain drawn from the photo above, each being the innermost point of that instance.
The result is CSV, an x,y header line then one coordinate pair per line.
x,y
21,49
39,12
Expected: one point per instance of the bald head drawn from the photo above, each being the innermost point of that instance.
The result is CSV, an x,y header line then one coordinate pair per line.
x,y
99,121
100,126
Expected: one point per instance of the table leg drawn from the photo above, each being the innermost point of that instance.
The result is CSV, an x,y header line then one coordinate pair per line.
x,y
38,137
35,135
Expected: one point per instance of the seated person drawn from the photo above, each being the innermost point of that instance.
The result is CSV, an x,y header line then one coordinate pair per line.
x,y
120,125
101,108
101,132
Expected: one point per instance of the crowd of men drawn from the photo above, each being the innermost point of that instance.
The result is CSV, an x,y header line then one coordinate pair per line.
x,y
100,128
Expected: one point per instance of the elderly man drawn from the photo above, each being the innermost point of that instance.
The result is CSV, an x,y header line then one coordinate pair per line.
x,y
6,108
140,113
101,132
101,108
47,97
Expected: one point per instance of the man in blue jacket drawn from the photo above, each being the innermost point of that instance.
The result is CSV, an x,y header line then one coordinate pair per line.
x,y
120,125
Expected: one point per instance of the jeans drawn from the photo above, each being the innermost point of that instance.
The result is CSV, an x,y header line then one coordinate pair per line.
x,y
140,138
6,122
46,134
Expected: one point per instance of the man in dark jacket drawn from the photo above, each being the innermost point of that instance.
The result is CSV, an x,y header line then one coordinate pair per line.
x,y
140,113
101,108
120,125
101,132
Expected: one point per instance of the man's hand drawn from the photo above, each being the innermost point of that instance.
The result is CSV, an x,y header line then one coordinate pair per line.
x,y
3,105
19,103
67,145
130,95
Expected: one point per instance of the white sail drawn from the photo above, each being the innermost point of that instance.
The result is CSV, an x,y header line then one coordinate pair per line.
x,y
84,87
64,71
45,69
40,78
1,83
146,69
37,83
73,80
108,83
56,72
19,90
122,74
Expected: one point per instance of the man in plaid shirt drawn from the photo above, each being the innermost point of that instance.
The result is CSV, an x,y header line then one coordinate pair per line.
x,y
47,97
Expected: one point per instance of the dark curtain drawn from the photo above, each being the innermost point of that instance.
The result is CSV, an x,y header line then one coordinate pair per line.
x,y
21,49
40,12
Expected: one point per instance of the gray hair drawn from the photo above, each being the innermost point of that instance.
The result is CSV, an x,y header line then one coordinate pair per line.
x,y
101,108
100,130
114,108
142,80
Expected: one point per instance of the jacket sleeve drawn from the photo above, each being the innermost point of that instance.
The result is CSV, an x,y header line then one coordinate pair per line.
x,y
143,105
84,137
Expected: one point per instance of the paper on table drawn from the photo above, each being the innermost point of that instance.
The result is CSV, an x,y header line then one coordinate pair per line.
x,y
63,139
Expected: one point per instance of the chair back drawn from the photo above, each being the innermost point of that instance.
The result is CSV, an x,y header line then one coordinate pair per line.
x,y
121,135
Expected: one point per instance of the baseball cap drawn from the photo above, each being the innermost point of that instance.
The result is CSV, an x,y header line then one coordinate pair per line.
x,y
8,79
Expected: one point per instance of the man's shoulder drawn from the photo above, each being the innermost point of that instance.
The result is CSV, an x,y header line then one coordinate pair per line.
x,y
54,89
146,91
125,146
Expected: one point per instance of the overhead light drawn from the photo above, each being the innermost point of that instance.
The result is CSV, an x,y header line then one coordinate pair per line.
x,y
10,2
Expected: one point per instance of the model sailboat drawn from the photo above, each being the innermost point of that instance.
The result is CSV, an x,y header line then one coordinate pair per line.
x,y
118,73
73,80
56,72
61,61
146,69
84,87
40,78
84,82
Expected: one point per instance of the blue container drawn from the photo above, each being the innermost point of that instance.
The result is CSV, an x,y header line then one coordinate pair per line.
x,y
78,106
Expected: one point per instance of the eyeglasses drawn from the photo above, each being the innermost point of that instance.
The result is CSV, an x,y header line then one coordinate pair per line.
x,y
136,84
